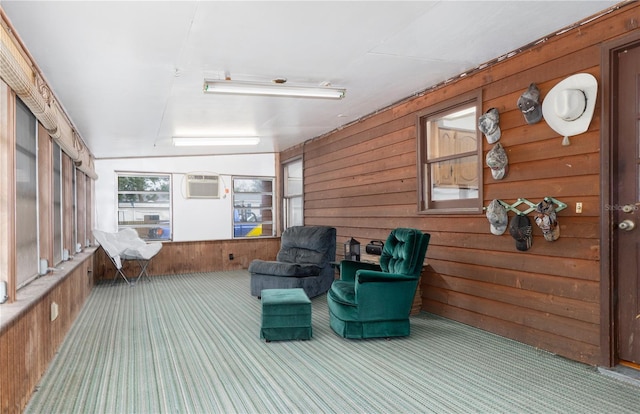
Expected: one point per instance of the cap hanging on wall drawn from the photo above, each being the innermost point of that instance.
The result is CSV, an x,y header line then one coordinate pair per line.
x,y
497,216
545,218
497,160
529,104
489,125
521,230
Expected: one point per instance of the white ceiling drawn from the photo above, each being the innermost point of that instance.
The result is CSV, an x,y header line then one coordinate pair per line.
x,y
130,74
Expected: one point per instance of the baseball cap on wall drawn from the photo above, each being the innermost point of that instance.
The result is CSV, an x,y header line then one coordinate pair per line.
x,y
489,125
529,104
546,219
497,216
521,230
497,160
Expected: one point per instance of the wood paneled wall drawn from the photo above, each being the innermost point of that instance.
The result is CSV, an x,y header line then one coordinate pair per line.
x,y
362,180
196,256
30,341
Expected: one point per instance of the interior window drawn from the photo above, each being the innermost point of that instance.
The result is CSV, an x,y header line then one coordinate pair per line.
x,y
26,196
293,193
144,204
57,204
450,153
253,207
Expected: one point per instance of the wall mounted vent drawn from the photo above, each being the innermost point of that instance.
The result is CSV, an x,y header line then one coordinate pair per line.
x,y
202,186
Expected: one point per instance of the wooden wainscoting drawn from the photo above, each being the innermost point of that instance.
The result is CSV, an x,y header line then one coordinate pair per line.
x,y
196,256
29,338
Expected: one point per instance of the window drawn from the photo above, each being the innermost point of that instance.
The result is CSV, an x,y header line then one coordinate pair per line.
x,y
449,154
81,210
26,196
57,204
253,207
144,204
74,210
293,194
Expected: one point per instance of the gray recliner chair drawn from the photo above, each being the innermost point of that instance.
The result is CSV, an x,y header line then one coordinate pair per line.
x,y
304,261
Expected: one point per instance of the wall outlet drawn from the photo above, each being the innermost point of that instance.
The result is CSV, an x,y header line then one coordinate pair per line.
x,y
54,311
579,208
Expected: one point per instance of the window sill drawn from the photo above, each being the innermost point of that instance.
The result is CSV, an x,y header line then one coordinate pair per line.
x,y
33,293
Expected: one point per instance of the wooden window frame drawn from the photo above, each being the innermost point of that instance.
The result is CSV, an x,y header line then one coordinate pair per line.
x,y
453,206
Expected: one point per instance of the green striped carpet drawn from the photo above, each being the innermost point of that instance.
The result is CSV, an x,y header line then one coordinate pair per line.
x,y
190,344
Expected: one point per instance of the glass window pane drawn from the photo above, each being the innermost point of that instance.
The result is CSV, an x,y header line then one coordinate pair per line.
x,y
252,185
26,196
293,178
452,134
454,179
144,204
450,154
295,214
57,204
252,207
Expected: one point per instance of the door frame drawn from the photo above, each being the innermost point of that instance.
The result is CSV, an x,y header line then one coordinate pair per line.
x,y
608,278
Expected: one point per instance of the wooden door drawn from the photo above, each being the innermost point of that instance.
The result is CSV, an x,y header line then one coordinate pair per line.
x,y
626,207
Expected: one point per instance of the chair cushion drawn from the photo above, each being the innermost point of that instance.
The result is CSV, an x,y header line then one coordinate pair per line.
x,y
343,292
284,269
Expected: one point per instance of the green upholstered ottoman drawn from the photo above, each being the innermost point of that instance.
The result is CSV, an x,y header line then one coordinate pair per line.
x,y
286,315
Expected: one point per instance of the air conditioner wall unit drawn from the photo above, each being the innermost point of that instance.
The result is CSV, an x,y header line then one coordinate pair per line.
x,y
202,186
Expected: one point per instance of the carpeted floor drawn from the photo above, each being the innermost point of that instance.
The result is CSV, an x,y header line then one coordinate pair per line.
x,y
190,344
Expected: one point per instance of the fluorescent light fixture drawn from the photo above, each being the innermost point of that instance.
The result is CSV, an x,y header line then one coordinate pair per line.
x,y
209,141
272,89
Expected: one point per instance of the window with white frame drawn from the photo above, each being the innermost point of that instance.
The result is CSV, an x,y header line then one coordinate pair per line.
x,y
449,153
292,203
253,207
144,204
26,196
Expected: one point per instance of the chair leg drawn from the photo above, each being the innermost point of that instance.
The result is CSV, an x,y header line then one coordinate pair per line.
x,y
121,273
143,269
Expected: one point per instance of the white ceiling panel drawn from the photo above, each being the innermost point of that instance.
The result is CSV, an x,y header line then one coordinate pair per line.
x,y
130,73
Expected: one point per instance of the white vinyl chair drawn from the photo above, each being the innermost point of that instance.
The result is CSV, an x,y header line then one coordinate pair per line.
x,y
126,245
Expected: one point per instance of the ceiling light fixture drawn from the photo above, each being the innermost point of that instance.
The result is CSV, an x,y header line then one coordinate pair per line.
x,y
210,141
275,88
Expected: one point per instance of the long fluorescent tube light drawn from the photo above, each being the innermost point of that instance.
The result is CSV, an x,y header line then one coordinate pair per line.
x,y
272,89
210,141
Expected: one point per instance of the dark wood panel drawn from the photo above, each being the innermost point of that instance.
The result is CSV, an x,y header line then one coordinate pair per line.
x,y
543,321
513,295
370,161
402,172
553,286
323,150
196,256
539,338
361,145
520,151
558,187
564,247
579,269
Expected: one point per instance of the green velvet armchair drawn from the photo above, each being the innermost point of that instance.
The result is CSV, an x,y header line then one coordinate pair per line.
x,y
372,301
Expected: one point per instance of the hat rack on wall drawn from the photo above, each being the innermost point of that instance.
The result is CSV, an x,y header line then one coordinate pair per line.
x,y
532,206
